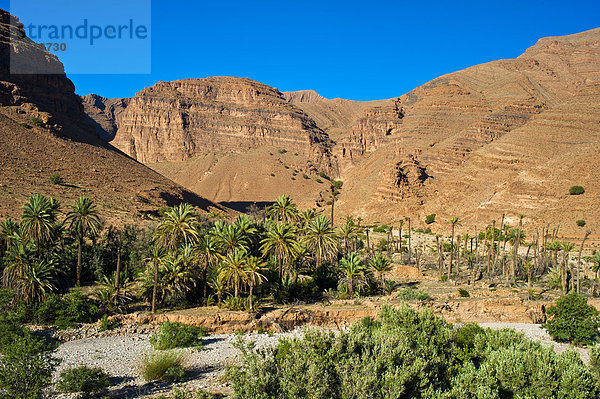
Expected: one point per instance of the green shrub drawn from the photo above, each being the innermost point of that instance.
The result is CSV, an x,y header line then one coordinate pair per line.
x,y
573,320
407,353
25,125
580,223
337,184
177,335
36,121
25,366
319,180
56,179
282,151
384,228
107,324
430,218
83,379
162,365
305,176
65,311
463,293
272,174
408,294
576,190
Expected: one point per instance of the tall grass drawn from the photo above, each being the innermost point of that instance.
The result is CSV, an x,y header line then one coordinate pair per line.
x,y
162,365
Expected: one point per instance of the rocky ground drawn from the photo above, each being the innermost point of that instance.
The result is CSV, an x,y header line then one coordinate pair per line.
x,y
119,355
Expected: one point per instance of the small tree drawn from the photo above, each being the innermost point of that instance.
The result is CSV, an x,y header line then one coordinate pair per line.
x,y
580,223
430,218
56,179
573,320
576,190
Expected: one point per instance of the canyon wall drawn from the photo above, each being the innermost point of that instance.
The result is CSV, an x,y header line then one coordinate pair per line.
x,y
174,121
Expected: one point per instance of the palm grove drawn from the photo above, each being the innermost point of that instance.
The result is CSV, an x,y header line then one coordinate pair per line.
x,y
187,258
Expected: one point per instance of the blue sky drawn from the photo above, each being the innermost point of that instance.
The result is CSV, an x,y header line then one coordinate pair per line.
x,y
361,50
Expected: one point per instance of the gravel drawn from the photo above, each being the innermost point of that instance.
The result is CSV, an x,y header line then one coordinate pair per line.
x,y
119,357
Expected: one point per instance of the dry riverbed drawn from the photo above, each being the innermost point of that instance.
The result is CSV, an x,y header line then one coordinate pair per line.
x,y
119,356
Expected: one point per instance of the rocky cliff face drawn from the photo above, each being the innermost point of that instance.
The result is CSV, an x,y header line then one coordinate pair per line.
x,y
175,121
44,130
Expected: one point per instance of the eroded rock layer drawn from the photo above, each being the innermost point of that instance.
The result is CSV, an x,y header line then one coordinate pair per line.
x,y
174,121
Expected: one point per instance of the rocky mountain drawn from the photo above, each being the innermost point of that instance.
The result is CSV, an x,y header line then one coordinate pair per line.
x,y
474,143
198,131
44,130
505,137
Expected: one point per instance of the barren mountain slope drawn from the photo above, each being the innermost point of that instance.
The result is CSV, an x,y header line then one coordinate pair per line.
x,y
43,130
413,157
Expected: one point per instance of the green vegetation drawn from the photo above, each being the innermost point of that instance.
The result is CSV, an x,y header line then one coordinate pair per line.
x,y
36,121
463,293
304,175
409,294
26,361
573,320
412,354
177,335
83,379
162,365
430,218
580,223
25,125
576,190
56,179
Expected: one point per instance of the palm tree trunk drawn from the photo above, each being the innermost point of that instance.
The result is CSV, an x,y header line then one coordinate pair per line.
x,y
251,304
118,274
79,245
154,288
587,233
409,241
368,244
451,253
205,280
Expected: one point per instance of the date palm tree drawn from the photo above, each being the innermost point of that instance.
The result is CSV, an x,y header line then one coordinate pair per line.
x,y
229,237
8,229
217,285
380,264
453,222
232,271
516,238
177,228
254,265
567,248
349,233
206,248
353,273
83,220
306,217
284,210
38,220
30,278
321,239
281,242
